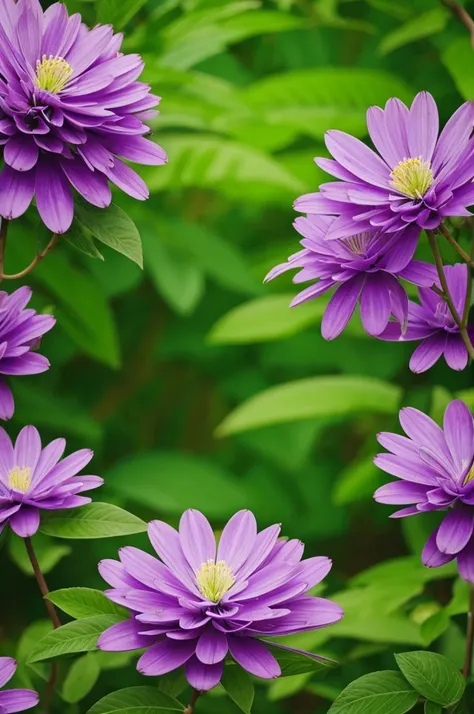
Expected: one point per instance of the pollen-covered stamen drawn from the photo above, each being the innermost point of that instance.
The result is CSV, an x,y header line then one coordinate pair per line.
x,y
214,580
19,479
359,242
52,74
413,177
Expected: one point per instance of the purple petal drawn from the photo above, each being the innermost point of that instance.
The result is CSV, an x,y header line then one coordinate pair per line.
x,y
27,448
128,180
49,457
453,139
401,493
92,185
264,543
432,556
7,405
423,126
466,562
419,273
197,539
16,192
25,522
238,539
166,542
165,656
428,353
212,646
357,158
313,570
17,700
341,307
53,197
455,353
455,531
253,656
203,677
20,153
7,669
375,304
123,637
459,433
413,469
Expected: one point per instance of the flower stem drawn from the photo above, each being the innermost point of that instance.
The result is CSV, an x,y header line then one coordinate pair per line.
x,y
37,259
447,295
462,14
52,615
452,241
194,697
469,634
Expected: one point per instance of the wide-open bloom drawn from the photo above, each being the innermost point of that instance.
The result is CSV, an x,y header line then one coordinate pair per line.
x,y
433,324
20,332
33,478
14,700
417,177
365,267
70,106
436,471
202,602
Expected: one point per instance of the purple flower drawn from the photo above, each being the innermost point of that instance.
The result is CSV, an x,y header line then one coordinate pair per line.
x,y
33,478
432,323
366,267
70,106
20,332
201,603
14,700
417,179
436,471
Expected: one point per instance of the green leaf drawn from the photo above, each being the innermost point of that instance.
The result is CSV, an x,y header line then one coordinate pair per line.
x,y
48,552
433,676
172,482
265,319
80,603
357,482
434,627
77,636
285,687
81,239
456,58
112,227
81,678
95,520
433,708
383,692
424,25
313,397
239,687
118,12
136,700
233,168
293,663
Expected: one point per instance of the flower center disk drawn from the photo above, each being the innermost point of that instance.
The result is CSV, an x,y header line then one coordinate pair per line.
x,y
413,177
19,479
214,580
52,74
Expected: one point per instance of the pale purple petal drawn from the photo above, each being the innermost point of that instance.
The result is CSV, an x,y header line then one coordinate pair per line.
x,y
432,557
25,522
197,539
465,561
123,637
375,304
459,433
341,307
7,669
7,405
203,677
423,126
427,353
238,539
455,530
401,493
254,656
165,656
212,646
17,700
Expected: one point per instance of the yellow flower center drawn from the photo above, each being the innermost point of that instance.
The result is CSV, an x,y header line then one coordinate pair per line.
x,y
358,243
19,479
413,177
214,580
52,74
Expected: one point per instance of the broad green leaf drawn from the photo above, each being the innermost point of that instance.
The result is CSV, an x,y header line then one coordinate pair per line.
x,y
81,678
178,280
433,708
457,57
230,167
48,552
395,628
265,319
433,676
77,636
82,240
310,398
434,626
293,663
113,227
172,482
424,25
118,12
85,602
95,520
285,687
383,692
238,685
408,567
173,683
311,101
136,700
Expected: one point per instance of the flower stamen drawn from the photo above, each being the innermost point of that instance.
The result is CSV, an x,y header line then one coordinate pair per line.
x,y
214,580
19,479
359,242
52,74
413,177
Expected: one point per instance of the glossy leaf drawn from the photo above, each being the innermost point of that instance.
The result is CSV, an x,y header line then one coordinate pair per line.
x,y
85,602
376,693
433,676
95,520
77,636
139,700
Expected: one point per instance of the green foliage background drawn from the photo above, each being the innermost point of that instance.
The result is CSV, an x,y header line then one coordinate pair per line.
x,y
194,383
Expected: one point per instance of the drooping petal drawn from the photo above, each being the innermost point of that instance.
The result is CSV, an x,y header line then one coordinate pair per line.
x,y
53,197
341,307
203,677
16,192
455,530
212,646
375,304
17,700
7,669
165,656
123,637
254,656
25,522
7,405
432,557
428,353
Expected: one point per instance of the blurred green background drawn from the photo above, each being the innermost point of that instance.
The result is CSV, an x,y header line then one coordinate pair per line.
x,y
193,382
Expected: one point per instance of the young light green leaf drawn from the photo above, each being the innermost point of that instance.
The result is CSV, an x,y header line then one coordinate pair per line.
x,y
81,678
85,602
77,636
428,23
265,319
433,676
112,227
383,692
292,663
285,687
434,627
81,239
48,552
239,687
136,700
172,482
313,397
95,520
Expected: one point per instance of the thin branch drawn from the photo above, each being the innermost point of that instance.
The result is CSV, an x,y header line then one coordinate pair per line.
x,y
447,295
469,635
194,697
37,259
452,241
462,14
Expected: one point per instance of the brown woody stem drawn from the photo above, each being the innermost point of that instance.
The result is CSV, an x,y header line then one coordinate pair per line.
x,y
37,259
194,697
